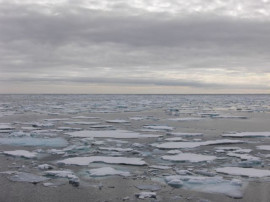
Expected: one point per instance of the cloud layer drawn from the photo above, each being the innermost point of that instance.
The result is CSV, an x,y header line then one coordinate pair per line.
x,y
199,46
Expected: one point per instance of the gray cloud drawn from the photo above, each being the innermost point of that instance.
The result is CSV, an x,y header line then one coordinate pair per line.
x,y
77,43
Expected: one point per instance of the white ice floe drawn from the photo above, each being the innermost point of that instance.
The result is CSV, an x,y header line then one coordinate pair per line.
x,y
117,121
190,157
104,159
27,177
29,141
116,149
246,172
186,119
105,171
207,184
122,134
174,139
248,134
85,117
82,123
137,118
6,126
229,117
264,147
21,153
186,134
144,195
61,173
45,167
179,145
174,151
101,126
157,127
246,157
160,167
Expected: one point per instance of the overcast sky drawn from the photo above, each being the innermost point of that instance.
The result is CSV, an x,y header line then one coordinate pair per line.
x,y
134,46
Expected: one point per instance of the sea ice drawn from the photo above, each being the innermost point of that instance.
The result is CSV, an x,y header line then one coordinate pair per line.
x,y
105,159
186,134
21,153
4,126
27,177
29,141
179,145
144,195
122,134
190,157
244,157
175,139
157,127
247,172
186,119
116,149
105,171
207,184
117,121
248,134
61,173
264,147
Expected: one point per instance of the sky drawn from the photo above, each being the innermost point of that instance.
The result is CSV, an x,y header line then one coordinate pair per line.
x,y
135,46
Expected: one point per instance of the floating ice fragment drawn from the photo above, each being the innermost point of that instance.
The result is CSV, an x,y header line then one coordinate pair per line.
x,y
247,172
116,149
244,157
264,147
176,183
21,153
160,167
117,121
186,119
82,123
207,184
105,159
144,195
248,134
179,145
61,173
186,134
45,167
157,127
190,157
122,134
174,139
105,171
29,141
27,177
5,126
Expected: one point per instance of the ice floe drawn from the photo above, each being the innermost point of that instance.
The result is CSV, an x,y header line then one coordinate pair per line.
x,y
27,177
190,157
248,134
29,141
206,184
121,134
144,195
116,149
263,147
247,172
179,145
105,159
105,171
21,153
158,127
117,121
186,134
